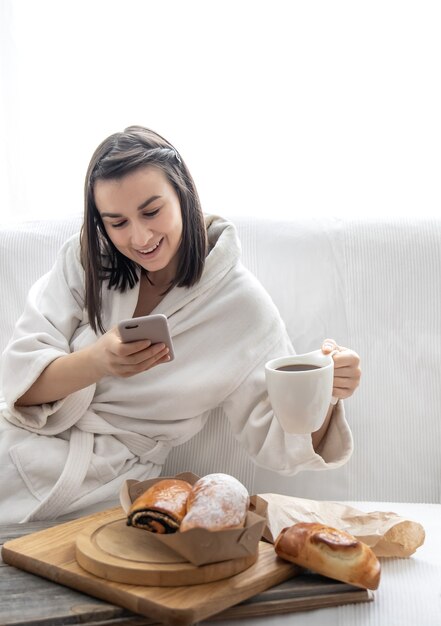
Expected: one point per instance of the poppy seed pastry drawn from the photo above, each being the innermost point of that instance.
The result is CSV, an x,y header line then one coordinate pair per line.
x,y
216,502
161,508
330,552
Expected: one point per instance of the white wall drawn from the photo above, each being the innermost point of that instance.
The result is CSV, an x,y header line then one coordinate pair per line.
x,y
279,107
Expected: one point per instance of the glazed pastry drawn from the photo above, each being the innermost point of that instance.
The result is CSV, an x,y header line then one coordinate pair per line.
x,y
330,552
216,502
162,507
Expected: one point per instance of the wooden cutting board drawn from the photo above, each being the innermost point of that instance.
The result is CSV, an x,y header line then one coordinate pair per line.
x,y
51,553
115,551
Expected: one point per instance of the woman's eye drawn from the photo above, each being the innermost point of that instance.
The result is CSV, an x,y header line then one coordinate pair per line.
x,y
151,213
118,224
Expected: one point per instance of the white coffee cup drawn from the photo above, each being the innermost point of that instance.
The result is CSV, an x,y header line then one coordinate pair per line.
x,y
301,397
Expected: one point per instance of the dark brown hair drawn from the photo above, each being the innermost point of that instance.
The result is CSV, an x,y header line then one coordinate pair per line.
x,y
116,156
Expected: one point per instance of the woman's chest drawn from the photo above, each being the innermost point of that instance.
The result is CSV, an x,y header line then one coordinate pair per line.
x,y
149,296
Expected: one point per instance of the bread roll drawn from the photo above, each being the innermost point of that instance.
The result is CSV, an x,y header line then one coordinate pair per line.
x,y
162,507
216,502
330,552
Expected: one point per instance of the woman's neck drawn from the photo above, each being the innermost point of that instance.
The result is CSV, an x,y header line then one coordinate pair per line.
x,y
149,296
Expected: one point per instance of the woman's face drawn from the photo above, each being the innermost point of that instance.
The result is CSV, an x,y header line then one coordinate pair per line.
x,y
142,216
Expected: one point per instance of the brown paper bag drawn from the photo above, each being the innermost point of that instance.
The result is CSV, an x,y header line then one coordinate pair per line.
x,y
386,533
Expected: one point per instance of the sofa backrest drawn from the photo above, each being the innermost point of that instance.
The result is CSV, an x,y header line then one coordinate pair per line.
x,y
374,286
27,250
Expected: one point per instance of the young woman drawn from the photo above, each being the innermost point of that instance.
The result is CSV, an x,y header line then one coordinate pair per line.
x,y
85,411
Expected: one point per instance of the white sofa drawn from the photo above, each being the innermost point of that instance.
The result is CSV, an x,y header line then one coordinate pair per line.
x,y
374,286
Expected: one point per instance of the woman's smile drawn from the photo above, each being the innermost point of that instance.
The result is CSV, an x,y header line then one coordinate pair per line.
x,y
142,217
151,251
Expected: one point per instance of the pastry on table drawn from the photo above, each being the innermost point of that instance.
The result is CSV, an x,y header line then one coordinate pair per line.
x,y
331,552
216,502
162,507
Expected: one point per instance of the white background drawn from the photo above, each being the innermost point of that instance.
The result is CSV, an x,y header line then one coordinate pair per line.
x,y
280,108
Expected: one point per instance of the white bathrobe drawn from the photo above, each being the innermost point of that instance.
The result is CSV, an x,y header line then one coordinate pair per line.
x,y
67,455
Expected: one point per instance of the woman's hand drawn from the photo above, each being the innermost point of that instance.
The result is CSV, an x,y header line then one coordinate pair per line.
x,y
113,357
347,371
108,356
347,375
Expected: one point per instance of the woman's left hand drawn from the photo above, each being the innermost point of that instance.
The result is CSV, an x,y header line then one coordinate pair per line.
x,y
347,371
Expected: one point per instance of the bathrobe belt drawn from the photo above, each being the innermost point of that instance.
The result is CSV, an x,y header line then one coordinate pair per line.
x,y
66,488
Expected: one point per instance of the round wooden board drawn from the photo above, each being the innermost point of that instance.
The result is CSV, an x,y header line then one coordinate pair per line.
x,y
121,553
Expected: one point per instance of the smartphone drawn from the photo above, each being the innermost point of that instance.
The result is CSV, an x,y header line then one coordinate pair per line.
x,y
153,327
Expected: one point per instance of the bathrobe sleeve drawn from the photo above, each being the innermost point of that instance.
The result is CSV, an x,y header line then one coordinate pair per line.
x,y
52,313
248,407
255,426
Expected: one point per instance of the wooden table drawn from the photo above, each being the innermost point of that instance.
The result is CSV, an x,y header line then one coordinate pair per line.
x,y
409,594
25,597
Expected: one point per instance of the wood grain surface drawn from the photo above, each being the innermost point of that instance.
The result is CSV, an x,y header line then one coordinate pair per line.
x,y
28,599
51,553
124,554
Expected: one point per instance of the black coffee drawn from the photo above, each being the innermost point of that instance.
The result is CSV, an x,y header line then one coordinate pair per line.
x,y
297,367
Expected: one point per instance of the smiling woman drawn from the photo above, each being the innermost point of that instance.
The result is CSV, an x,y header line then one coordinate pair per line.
x,y
141,204
147,231
95,410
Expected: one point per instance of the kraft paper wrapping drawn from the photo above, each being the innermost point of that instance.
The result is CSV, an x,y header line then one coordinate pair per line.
x,y
198,545
386,533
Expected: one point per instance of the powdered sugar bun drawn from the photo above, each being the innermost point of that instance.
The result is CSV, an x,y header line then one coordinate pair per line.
x,y
216,502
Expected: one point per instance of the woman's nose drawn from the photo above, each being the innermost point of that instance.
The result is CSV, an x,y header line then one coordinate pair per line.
x,y
141,235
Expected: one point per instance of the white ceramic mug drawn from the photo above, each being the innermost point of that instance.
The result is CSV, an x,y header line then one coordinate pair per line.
x,y
301,398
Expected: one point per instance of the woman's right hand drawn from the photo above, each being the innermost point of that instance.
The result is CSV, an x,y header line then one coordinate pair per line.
x,y
113,357
108,356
